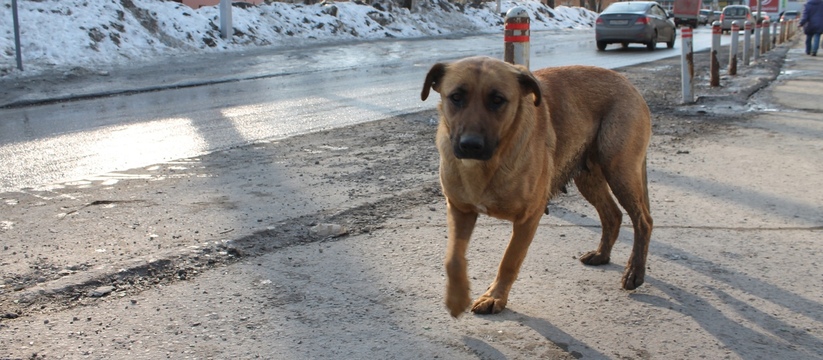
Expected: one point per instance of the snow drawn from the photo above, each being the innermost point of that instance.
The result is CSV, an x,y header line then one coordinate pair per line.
x,y
61,34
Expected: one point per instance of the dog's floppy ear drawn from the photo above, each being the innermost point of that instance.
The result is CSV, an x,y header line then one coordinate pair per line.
x,y
433,80
529,83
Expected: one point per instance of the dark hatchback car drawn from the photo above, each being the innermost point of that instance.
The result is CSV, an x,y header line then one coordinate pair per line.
x,y
644,22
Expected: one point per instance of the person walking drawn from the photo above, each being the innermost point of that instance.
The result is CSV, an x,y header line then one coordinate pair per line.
x,y
812,23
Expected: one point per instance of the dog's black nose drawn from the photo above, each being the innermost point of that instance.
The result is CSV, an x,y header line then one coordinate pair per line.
x,y
470,146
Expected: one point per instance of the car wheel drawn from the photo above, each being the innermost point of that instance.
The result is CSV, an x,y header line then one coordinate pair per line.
x,y
601,45
653,43
624,45
670,44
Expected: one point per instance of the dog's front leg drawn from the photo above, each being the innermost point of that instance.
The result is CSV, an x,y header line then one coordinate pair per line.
x,y
494,300
460,225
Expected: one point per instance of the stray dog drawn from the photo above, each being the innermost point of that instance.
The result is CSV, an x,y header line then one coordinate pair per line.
x,y
510,139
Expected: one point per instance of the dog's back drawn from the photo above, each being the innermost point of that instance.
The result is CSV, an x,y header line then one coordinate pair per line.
x,y
589,108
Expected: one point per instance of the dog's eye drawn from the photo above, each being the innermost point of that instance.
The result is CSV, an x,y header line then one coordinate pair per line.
x,y
456,98
497,101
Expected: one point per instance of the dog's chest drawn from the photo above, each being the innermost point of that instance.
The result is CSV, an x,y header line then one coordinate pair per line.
x,y
476,191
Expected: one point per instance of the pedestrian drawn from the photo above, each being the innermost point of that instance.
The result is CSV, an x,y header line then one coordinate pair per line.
x,y
812,23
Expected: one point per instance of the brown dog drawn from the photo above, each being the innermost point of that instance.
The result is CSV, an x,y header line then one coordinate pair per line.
x,y
509,140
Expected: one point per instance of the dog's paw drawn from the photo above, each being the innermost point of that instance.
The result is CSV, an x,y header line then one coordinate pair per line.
x,y
457,296
594,258
457,302
488,305
633,279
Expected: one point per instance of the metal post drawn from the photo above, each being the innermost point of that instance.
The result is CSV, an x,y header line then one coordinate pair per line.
x,y
747,41
758,29
733,48
767,41
714,66
782,33
687,65
516,36
16,25
791,30
775,36
225,19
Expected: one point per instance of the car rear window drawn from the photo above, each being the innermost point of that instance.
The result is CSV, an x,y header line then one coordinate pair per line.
x,y
737,11
623,7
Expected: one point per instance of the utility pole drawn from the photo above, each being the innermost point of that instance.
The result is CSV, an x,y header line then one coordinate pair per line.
x,y
225,19
16,25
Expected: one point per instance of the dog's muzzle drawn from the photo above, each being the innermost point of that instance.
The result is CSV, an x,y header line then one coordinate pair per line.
x,y
472,146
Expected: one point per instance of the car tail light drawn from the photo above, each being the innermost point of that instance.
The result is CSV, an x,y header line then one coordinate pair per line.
x,y
642,20
599,21
722,16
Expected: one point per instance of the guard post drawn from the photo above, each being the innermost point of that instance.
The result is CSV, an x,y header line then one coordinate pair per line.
x,y
733,48
687,65
747,41
767,41
714,66
775,35
758,29
516,36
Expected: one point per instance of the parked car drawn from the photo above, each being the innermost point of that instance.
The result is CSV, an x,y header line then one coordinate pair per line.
x,y
717,16
644,22
706,17
739,13
789,15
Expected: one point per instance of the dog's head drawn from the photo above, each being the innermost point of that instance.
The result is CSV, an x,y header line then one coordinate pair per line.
x,y
480,98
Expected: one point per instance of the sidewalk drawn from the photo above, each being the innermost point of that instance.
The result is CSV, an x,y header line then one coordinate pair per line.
x,y
734,262
801,83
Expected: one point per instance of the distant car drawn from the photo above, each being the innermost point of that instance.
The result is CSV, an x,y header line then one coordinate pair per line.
x,y
705,17
717,16
789,15
739,13
644,22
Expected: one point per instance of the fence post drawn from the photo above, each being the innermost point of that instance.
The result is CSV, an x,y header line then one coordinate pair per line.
x,y
687,65
516,36
766,37
714,66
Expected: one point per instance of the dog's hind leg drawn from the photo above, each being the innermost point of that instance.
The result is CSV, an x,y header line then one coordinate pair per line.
x,y
594,188
628,182
496,297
